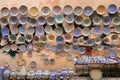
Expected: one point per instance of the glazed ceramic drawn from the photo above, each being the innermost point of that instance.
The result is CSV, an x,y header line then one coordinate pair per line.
x,y
86,32
58,31
116,21
69,19
59,19
41,20
32,22
97,20
13,20
3,21
39,30
78,10
86,22
97,30
23,20
59,40
22,30
106,20
67,9
5,11
34,11
88,11
106,30
101,9
45,11
112,9
14,30
23,10
14,11
48,29
50,20
30,30
5,31
56,10
78,20
77,32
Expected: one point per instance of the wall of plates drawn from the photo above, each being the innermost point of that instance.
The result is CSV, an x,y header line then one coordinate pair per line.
x,y
31,35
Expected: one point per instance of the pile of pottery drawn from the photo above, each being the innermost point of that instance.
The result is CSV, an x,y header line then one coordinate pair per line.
x,y
59,30
7,74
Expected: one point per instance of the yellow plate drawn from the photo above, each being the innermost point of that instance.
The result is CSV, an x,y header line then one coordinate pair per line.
x,y
34,11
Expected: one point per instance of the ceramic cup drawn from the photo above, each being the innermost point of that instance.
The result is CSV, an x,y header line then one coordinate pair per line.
x,y
14,30
106,30
86,32
22,48
32,22
12,38
30,30
41,20
56,10
77,32
48,29
66,48
5,11
86,22
96,20
97,30
21,40
39,30
97,40
3,22
78,10
112,9
68,28
106,20
116,21
68,37
13,20
28,37
34,11
22,30
117,29
59,19
69,19
23,10
88,11
101,9
45,11
43,39
67,9
58,31
5,31
50,20
14,11
23,20
78,20
59,40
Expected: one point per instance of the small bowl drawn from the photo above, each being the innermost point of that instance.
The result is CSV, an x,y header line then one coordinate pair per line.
x,y
78,10
45,11
97,40
114,37
6,48
43,39
57,10
41,20
23,20
12,54
59,19
47,46
51,37
50,20
99,47
96,20
22,30
12,38
13,47
23,10
48,29
116,21
86,32
34,11
5,31
33,64
81,41
112,9
90,42
81,50
106,30
77,32
112,53
5,11
14,11
66,48
52,61
3,22
68,37
68,9
79,20
88,11
59,48
13,20
14,30
39,30
106,40
74,48
68,28
30,47
30,30
86,22
75,41
69,19
106,20
58,31
59,40
69,57
117,29
21,40
28,37
33,22
97,30
101,9
22,48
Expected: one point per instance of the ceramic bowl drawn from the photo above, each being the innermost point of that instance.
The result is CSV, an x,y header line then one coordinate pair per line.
x,y
14,11
23,20
5,11
67,9
88,11
78,10
112,9
101,9
45,11
23,10
56,10
41,20
79,20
